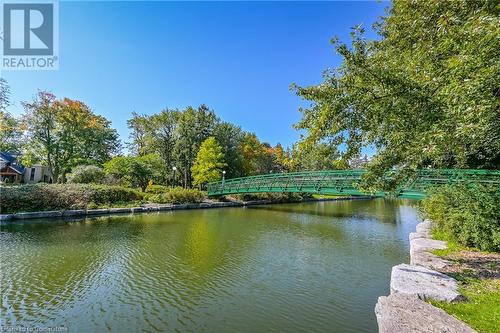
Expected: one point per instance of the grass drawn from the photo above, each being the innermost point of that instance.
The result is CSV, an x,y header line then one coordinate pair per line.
x,y
452,246
482,308
477,273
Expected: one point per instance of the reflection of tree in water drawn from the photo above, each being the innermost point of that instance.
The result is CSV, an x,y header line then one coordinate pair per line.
x,y
381,209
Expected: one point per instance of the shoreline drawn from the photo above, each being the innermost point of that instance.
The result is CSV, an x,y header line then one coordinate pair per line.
x,y
413,285
148,208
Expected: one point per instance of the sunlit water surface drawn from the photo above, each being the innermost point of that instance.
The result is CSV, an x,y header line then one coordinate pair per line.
x,y
311,267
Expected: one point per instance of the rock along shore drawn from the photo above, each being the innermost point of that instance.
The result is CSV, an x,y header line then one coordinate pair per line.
x,y
405,309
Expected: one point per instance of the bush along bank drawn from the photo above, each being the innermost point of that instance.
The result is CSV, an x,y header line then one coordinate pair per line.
x,y
466,214
44,197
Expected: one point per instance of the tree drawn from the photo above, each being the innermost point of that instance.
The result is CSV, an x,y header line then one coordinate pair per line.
x,y
251,150
139,125
135,171
164,137
321,156
10,127
4,95
66,133
230,138
424,94
194,126
10,133
281,159
209,163
86,174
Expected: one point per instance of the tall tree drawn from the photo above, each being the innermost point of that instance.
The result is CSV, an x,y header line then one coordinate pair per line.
x,y
10,127
209,163
251,150
194,126
230,137
164,136
4,95
65,133
424,94
139,134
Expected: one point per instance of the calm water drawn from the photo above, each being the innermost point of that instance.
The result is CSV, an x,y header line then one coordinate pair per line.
x,y
312,267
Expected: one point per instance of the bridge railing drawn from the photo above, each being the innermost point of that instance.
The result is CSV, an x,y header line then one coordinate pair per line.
x,y
344,181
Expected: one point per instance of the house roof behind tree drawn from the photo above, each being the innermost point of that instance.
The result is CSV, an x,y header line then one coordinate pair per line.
x,y
8,159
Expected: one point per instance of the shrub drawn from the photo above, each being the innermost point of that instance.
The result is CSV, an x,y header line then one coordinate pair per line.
x,y
157,189
86,174
274,197
468,214
178,195
37,197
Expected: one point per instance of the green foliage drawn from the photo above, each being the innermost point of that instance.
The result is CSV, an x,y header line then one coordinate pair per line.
x,y
4,95
261,157
176,136
135,171
178,195
320,156
10,127
424,94
86,174
157,189
274,197
37,197
193,128
209,163
10,133
66,133
156,134
229,137
467,214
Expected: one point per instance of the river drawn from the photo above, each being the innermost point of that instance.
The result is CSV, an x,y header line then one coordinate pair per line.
x,y
309,267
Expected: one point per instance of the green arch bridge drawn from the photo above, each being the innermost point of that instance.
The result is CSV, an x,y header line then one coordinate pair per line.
x,y
346,182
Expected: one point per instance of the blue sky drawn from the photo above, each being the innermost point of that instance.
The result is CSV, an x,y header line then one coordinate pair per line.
x,y
239,58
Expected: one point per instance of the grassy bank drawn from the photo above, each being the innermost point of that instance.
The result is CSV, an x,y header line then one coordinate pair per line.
x,y
478,274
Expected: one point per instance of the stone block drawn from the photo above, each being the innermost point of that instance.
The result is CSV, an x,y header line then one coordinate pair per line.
x,y
37,215
426,244
97,211
424,283
74,212
403,314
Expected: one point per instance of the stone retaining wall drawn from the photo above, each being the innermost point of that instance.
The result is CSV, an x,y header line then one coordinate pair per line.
x,y
405,309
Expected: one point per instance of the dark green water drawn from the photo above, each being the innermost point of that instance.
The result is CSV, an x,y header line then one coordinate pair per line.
x,y
312,267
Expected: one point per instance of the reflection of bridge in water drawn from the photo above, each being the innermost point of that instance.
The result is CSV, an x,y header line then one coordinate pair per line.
x,y
346,182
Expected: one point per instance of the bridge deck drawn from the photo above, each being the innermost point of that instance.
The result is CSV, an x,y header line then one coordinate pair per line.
x,y
346,182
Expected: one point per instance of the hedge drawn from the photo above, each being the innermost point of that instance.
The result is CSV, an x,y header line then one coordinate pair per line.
x,y
467,214
39,197
177,195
